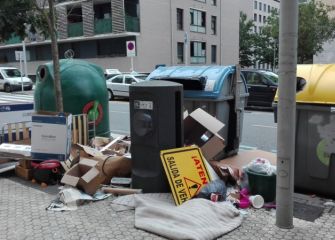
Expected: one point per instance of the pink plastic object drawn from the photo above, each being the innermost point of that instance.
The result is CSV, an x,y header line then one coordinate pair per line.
x,y
244,198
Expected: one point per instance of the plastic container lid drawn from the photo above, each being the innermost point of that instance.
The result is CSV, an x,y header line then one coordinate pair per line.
x,y
320,84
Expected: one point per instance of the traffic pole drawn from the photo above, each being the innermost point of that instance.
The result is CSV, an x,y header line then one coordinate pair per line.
x,y
288,38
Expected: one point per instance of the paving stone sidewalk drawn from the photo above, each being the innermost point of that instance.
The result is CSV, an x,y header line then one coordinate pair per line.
x,y
23,216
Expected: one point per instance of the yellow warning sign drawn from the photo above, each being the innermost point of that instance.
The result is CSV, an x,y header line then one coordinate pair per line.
x,y
186,171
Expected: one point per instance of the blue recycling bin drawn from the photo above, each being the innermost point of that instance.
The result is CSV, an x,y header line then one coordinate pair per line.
x,y
215,89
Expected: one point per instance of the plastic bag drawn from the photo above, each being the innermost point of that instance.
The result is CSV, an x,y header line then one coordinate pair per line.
x,y
262,166
217,187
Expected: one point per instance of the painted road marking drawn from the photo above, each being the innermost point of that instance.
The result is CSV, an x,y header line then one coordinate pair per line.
x,y
264,126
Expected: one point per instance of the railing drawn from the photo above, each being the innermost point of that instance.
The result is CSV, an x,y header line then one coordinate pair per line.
x,y
103,26
75,29
132,24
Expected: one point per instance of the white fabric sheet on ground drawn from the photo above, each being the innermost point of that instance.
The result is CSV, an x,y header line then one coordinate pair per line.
x,y
194,219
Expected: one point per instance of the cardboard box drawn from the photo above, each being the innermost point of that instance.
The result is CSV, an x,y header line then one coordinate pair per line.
x,y
202,129
24,173
51,135
25,163
84,175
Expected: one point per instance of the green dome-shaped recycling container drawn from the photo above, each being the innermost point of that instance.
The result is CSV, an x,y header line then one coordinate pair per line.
x,y
83,88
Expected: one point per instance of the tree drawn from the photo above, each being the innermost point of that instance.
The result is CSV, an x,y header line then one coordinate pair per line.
x,y
267,41
17,15
315,28
247,37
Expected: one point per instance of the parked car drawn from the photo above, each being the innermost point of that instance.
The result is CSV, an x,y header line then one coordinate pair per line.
x,y
118,86
262,87
10,80
111,73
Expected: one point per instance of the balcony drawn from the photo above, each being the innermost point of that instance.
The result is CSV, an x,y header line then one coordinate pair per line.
x,y
75,29
132,24
103,26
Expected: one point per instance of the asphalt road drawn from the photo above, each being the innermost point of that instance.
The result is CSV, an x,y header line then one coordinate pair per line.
x,y
259,130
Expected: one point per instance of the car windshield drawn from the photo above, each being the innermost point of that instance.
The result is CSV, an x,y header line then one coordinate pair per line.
x,y
272,76
11,73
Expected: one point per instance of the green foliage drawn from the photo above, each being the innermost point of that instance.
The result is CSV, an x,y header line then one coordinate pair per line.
x,y
266,42
315,28
16,16
247,39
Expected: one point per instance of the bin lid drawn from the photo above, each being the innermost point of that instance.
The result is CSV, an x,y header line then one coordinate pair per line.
x,y
198,81
320,84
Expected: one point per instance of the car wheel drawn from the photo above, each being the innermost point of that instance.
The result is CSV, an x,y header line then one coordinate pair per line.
x,y
8,88
110,95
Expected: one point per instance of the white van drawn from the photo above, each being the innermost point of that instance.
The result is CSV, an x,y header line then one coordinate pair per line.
x,y
10,80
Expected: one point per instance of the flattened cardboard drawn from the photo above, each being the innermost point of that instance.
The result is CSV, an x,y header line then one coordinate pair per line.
x,y
244,158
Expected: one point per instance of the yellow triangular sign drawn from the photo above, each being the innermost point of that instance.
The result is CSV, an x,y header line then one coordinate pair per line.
x,y
192,186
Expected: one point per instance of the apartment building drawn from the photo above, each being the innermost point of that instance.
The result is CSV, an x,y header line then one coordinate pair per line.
x,y
170,32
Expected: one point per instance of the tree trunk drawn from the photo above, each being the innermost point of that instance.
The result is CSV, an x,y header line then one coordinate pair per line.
x,y
55,59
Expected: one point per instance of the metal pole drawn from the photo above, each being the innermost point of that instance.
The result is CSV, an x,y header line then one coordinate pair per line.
x,y
132,64
25,58
288,36
21,71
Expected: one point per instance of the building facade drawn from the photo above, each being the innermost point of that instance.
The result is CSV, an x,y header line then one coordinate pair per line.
x,y
170,32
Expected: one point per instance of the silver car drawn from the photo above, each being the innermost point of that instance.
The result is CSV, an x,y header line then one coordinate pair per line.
x,y
118,86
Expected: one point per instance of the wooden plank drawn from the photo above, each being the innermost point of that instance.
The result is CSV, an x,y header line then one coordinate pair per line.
x,y
25,131
17,131
85,129
80,126
74,130
10,136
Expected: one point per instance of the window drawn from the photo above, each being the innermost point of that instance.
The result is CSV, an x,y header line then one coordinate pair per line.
x,y
260,6
213,2
180,52
198,52
180,20
255,17
213,25
264,7
269,8
264,19
255,29
213,54
129,80
259,29
260,18
198,21
118,79
255,4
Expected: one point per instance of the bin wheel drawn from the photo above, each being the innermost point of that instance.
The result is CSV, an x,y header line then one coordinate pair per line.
x,y
110,95
8,88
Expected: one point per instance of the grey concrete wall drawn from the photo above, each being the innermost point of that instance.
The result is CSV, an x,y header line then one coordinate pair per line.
x,y
88,18
230,11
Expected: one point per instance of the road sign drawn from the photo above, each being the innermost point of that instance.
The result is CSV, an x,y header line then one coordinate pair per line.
x,y
131,48
186,171
18,55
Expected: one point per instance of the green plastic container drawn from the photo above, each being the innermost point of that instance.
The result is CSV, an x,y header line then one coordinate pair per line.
x,y
83,87
263,185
